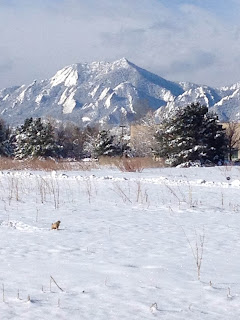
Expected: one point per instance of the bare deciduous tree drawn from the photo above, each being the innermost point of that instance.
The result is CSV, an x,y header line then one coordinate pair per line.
x,y
233,136
142,135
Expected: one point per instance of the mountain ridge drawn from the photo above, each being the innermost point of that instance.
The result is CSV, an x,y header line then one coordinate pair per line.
x,y
111,93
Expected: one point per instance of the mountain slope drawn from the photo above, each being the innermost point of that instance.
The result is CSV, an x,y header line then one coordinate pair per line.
x,y
111,93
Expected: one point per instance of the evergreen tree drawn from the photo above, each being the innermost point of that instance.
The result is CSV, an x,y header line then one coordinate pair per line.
x,y
191,134
34,139
105,145
6,147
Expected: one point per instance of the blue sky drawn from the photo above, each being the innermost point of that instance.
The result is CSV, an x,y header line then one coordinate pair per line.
x,y
223,8
192,40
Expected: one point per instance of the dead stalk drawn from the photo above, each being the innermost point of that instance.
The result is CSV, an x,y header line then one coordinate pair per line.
x,y
173,193
37,215
197,250
122,193
139,190
89,190
190,197
52,279
142,196
55,192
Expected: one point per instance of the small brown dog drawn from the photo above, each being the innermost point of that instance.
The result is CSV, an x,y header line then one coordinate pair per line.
x,y
55,225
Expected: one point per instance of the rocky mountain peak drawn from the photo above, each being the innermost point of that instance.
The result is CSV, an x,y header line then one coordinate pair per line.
x,y
110,93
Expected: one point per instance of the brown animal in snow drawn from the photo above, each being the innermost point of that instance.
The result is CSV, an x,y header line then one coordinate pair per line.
x,y
55,225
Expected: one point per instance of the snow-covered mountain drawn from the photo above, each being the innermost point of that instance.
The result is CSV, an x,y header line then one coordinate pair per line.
x,y
111,93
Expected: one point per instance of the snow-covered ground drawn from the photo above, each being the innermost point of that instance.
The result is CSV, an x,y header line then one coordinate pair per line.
x,y
126,244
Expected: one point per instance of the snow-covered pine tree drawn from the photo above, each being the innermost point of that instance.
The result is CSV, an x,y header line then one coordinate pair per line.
x,y
35,139
6,148
189,135
105,145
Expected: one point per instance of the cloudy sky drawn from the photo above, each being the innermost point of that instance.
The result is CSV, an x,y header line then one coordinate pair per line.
x,y
181,40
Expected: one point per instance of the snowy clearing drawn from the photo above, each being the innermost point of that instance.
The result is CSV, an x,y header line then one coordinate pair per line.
x,y
129,244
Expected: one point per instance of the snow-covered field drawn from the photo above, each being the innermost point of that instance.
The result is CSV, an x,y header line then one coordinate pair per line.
x,y
126,244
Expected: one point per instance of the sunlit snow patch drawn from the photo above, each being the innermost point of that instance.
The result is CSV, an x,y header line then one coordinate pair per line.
x,y
86,119
18,225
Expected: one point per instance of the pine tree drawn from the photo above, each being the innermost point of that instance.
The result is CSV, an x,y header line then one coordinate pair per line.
x,y
6,148
35,139
191,134
105,145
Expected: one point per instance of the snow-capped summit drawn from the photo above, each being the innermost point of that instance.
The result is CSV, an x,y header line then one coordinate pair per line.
x,y
112,93
67,76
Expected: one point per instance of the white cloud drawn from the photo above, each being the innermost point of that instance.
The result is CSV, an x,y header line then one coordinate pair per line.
x,y
184,42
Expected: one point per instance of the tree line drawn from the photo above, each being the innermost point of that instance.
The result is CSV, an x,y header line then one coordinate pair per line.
x,y
190,134
46,138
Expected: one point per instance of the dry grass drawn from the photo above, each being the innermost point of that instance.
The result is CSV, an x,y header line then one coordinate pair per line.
x,y
124,164
44,164
131,164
